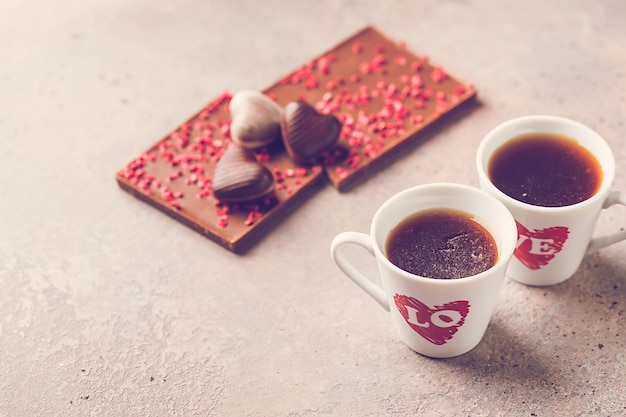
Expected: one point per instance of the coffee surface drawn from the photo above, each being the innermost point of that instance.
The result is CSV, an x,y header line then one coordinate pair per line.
x,y
545,170
441,244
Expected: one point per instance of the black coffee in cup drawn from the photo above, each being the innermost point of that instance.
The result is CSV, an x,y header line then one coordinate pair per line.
x,y
546,170
442,244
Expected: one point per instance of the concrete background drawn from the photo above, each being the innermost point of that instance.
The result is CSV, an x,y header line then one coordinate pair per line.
x,y
109,308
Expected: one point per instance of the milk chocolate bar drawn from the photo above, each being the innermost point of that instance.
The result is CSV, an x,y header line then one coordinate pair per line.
x,y
175,176
382,94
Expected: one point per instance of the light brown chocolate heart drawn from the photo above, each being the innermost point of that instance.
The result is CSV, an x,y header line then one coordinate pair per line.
x,y
239,177
255,119
308,133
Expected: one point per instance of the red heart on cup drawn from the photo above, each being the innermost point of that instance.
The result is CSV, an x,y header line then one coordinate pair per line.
x,y
308,133
536,248
240,177
438,324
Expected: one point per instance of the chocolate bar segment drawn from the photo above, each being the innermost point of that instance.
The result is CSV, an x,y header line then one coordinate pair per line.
x,y
383,94
175,176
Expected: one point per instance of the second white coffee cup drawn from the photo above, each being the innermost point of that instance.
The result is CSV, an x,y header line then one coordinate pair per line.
x,y
552,240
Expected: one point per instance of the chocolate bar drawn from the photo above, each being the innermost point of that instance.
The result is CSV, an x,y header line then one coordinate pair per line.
x,y
174,176
382,94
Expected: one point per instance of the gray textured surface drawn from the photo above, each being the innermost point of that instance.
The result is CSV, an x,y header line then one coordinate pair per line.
x,y
109,308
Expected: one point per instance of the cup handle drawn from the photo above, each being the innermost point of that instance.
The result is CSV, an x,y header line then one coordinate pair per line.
x,y
351,272
614,197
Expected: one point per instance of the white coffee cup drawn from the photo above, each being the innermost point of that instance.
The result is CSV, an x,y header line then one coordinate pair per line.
x,y
552,241
435,317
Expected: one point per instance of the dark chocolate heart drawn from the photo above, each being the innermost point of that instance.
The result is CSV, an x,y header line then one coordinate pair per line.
x,y
308,133
239,177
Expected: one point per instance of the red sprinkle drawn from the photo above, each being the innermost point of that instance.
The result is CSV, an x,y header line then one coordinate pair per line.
x,y
250,220
323,65
416,81
310,83
459,90
342,172
378,60
438,75
417,119
222,221
365,68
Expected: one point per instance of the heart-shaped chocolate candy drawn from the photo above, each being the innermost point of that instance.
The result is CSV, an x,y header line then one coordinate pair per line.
x,y
308,133
255,119
239,177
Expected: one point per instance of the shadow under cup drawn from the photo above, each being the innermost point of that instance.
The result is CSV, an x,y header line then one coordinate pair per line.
x,y
435,317
552,241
